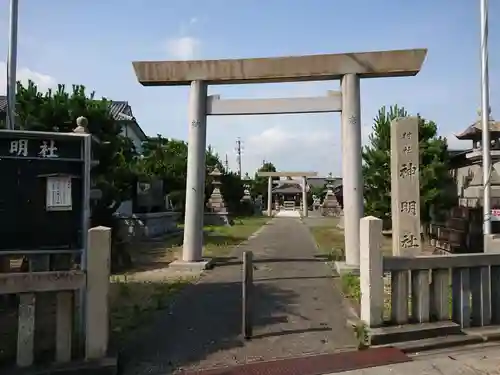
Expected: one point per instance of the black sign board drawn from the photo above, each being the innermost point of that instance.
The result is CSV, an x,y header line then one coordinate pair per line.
x,y
29,162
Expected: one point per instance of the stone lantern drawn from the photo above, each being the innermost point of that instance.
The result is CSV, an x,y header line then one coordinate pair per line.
x,y
217,213
331,206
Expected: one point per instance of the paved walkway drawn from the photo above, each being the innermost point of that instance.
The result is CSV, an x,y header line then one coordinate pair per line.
x,y
298,310
288,213
461,361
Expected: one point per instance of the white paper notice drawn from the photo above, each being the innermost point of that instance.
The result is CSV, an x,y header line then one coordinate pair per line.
x,y
59,194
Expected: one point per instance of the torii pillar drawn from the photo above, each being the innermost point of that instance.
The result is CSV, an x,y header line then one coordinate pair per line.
x,y
303,175
349,68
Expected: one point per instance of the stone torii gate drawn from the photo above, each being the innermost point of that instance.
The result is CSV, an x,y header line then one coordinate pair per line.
x,y
349,68
270,176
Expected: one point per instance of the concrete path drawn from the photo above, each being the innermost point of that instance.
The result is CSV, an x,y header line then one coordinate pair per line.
x,y
297,310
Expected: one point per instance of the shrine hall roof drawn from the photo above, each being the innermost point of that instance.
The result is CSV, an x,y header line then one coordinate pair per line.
x,y
288,188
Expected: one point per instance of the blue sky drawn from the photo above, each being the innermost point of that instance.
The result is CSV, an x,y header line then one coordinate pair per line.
x,y
94,42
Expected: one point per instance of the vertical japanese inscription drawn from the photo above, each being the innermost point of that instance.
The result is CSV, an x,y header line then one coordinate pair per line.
x,y
405,187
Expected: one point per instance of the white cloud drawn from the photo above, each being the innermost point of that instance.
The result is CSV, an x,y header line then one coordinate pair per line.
x,y
309,149
183,48
277,140
43,81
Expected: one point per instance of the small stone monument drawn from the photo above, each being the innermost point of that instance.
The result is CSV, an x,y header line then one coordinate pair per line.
x,y
331,206
217,213
405,187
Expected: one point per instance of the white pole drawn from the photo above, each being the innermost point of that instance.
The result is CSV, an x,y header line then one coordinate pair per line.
x,y
485,118
12,65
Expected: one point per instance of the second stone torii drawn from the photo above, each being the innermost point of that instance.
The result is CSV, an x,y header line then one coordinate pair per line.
x,y
270,176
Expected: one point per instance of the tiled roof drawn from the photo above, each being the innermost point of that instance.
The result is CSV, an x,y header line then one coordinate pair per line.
x,y
3,103
320,182
474,130
120,110
288,188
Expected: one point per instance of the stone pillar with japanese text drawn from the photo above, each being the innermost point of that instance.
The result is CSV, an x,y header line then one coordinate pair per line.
x,y
405,187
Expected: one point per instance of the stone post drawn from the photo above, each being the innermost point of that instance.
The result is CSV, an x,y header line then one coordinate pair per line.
x,y
269,196
351,166
97,293
371,271
195,180
305,210
405,187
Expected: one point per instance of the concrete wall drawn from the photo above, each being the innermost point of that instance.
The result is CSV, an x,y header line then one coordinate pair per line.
x,y
128,130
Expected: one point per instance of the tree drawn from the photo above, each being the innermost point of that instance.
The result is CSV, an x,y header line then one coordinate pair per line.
x,y
318,191
167,159
434,176
259,186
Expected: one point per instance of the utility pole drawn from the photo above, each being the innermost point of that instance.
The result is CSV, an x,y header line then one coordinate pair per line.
x,y
238,155
226,164
12,65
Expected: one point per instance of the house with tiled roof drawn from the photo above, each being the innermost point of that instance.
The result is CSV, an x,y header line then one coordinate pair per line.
x,y
121,112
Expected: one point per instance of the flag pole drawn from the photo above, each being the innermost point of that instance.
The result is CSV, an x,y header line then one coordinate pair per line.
x,y
12,65
485,119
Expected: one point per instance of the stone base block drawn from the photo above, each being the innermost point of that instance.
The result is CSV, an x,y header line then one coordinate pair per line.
x,y
413,332
191,267
492,243
217,218
343,268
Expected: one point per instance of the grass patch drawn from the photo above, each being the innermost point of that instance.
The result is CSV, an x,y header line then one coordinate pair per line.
x,y
134,301
351,287
330,241
220,240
